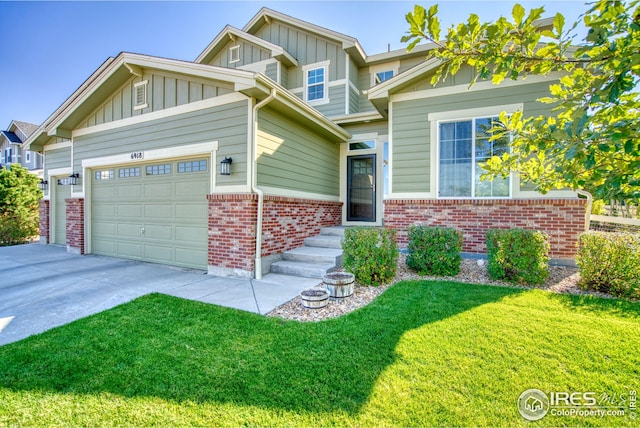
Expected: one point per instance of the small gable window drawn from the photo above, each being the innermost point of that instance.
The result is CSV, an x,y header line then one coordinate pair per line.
x,y
383,76
234,54
140,95
315,82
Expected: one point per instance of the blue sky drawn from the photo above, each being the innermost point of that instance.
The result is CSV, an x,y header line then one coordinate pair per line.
x,y
48,49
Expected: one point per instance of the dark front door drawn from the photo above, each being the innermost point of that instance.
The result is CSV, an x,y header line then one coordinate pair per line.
x,y
361,188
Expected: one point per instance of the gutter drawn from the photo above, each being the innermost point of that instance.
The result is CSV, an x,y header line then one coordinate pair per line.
x,y
254,182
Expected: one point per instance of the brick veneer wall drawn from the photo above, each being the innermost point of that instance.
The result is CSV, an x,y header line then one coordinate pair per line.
x,y
286,223
562,219
75,225
43,209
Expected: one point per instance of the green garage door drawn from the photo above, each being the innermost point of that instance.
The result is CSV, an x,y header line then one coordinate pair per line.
x,y
154,212
62,192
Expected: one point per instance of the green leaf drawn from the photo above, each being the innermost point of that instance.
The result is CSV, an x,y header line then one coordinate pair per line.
x,y
558,23
518,14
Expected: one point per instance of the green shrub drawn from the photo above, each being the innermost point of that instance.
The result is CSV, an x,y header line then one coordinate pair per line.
x,y
19,196
518,255
598,207
434,250
610,262
370,254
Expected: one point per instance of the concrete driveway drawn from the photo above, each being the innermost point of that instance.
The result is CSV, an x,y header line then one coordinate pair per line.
x,y
42,287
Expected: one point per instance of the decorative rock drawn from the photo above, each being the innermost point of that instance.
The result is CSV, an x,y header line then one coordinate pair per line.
x,y
339,284
314,298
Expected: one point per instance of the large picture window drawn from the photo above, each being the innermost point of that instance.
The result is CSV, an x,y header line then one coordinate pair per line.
x,y
464,145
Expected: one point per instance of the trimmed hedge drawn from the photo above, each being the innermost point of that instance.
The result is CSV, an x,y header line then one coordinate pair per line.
x,y
610,262
370,253
434,250
518,255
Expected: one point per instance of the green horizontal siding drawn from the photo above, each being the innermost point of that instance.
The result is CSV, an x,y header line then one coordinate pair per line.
x,y
59,158
291,157
411,145
336,104
226,124
272,71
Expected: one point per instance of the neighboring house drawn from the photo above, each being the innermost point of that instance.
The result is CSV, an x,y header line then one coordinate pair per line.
x,y
11,150
315,132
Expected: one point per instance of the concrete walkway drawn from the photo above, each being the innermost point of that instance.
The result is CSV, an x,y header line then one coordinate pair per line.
x,y
42,287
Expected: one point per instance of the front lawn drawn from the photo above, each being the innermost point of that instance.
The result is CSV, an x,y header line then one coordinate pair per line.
x,y
424,353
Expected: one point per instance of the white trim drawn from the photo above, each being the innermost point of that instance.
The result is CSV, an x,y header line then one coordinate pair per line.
x,y
259,66
347,95
237,188
479,86
617,220
472,113
234,50
145,87
161,114
153,155
289,193
56,146
417,195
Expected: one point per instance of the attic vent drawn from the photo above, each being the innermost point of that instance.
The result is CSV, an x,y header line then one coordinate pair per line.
x,y
140,95
234,54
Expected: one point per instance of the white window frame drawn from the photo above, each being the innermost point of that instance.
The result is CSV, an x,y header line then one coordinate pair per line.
x,y
393,66
305,75
463,115
140,86
234,54
375,76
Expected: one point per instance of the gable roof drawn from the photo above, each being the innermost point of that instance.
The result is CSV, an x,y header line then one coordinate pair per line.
x,y
116,71
13,138
266,16
25,127
231,33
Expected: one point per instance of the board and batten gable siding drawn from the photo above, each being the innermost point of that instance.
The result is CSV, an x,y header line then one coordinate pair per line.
x,y
411,145
293,158
227,124
249,54
163,91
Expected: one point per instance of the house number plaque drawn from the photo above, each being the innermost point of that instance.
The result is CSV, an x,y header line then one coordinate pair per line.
x,y
137,155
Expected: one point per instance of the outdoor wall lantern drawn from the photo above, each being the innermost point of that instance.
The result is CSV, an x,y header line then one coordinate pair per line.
x,y
72,180
43,184
225,166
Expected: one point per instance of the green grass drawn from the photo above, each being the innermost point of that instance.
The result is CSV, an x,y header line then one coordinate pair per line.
x,y
424,353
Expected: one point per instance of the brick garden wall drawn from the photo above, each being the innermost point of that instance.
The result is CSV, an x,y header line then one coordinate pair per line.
x,y
562,219
75,225
286,223
43,208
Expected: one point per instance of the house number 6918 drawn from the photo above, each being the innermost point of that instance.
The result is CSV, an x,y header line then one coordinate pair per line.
x,y
137,155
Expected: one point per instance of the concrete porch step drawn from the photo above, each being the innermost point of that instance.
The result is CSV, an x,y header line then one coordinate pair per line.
x,y
314,255
324,241
333,231
308,270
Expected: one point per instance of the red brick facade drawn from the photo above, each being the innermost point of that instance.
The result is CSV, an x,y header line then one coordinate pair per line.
x,y
75,225
43,208
562,219
286,223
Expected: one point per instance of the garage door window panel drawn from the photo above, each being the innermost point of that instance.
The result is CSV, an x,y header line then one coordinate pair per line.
x,y
159,169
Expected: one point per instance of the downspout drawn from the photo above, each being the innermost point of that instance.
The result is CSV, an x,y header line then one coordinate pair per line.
x,y
587,215
254,182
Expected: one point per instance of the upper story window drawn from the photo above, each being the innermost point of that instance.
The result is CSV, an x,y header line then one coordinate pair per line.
x,y
315,82
234,54
382,76
463,146
140,95
27,156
